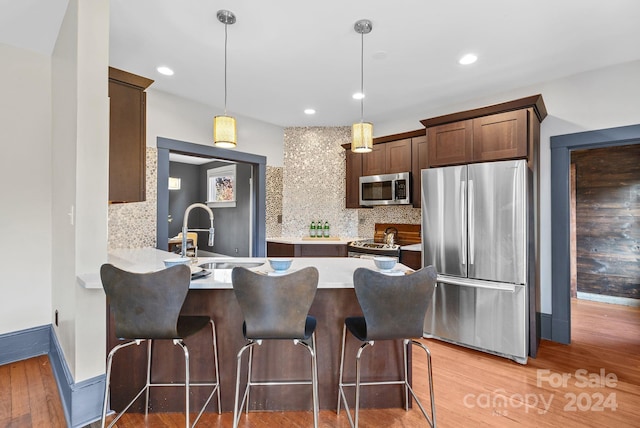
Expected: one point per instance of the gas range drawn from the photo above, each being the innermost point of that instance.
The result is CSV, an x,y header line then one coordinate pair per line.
x,y
369,247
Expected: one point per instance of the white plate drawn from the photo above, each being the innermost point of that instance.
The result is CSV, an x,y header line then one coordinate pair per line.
x,y
195,269
392,272
279,272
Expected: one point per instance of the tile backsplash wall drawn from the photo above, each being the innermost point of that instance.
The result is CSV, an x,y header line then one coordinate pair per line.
x,y
274,201
133,225
367,218
314,181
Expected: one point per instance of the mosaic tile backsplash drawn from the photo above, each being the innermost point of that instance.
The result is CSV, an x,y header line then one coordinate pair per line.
x,y
133,225
274,201
314,181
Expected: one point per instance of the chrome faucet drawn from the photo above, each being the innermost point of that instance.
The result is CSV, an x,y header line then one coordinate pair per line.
x,y
183,252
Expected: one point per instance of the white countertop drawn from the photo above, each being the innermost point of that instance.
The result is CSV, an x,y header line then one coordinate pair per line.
x,y
412,247
298,240
335,272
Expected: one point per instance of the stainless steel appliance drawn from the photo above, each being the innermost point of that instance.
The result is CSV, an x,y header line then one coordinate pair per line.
x,y
368,248
385,189
475,233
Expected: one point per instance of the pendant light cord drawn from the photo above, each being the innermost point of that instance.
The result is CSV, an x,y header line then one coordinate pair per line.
x,y
362,77
225,69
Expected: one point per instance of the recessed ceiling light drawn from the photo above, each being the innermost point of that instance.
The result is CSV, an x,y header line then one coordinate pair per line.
x,y
309,111
468,59
358,96
165,70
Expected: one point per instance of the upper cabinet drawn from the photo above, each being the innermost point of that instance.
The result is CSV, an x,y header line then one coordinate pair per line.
x,y
502,131
127,136
450,143
419,161
388,158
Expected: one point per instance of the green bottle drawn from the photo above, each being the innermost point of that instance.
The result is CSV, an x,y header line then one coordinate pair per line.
x,y
326,229
312,229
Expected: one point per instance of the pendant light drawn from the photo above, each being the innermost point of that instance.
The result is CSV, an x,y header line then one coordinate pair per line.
x,y
362,132
224,127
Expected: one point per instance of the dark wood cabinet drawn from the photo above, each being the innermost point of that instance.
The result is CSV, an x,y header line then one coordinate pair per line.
x,y
398,156
451,143
498,132
374,162
388,158
127,136
500,136
412,259
419,161
328,249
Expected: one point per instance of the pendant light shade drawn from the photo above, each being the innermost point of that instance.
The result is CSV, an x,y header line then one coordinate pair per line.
x,y
362,132
224,132
224,127
362,137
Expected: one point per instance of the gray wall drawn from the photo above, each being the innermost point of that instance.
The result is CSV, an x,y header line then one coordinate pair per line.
x,y
232,224
189,191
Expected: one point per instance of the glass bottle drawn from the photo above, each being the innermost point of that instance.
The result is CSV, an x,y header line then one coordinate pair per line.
x,y
326,229
312,229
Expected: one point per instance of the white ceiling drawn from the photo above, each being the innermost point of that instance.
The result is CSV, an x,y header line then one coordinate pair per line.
x,y
287,55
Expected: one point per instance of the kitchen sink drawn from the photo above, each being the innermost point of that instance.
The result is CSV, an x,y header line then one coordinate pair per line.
x,y
229,265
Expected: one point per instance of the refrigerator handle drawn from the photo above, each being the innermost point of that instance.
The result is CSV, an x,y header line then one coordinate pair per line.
x,y
472,225
463,209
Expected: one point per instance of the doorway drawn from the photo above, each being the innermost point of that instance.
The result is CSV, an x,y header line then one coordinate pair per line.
x,y
605,220
561,147
257,204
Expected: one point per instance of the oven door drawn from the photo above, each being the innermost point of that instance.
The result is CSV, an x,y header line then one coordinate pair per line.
x,y
359,255
364,253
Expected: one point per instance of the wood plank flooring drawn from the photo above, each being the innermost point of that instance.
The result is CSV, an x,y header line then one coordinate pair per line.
x,y
29,395
594,382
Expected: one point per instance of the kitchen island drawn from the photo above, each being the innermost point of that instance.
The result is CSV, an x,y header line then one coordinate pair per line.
x,y
213,296
308,247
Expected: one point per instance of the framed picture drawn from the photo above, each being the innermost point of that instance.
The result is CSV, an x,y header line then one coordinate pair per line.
x,y
221,187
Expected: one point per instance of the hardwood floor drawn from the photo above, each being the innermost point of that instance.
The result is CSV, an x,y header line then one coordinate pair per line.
x,y
593,382
29,395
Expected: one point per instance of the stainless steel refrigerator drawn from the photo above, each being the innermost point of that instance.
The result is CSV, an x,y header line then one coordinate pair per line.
x,y
475,232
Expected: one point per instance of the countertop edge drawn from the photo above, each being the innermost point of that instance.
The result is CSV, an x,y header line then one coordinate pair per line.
x,y
335,272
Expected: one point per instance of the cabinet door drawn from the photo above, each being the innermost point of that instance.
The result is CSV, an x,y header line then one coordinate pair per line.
x,y
451,143
500,136
127,142
353,163
398,156
419,161
127,145
375,162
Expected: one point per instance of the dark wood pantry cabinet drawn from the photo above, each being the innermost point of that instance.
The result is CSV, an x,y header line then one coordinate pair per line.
x,y
127,136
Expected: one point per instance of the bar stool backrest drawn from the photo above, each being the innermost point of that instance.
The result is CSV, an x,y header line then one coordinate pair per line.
x,y
275,307
146,305
394,307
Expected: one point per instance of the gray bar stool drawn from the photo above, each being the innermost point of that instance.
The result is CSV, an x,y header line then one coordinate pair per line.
x,y
276,308
146,306
394,307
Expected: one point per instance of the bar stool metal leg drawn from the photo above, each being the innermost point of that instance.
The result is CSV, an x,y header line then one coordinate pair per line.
x,y
146,395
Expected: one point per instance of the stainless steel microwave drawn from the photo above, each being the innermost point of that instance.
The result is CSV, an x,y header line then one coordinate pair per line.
x,y
385,189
